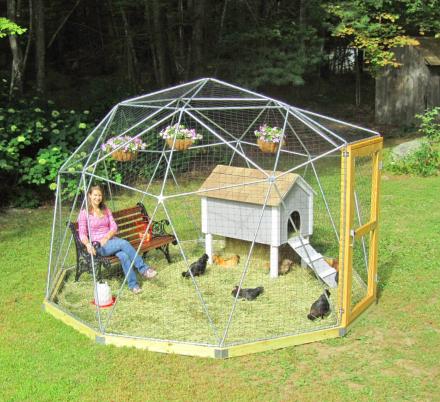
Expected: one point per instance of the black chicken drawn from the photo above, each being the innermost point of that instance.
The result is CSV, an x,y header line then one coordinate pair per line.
x,y
321,307
197,268
248,294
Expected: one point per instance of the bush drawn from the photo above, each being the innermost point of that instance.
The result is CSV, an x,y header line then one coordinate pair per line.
x,y
35,139
425,161
430,124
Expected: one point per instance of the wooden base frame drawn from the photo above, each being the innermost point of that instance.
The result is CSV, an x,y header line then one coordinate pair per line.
x,y
189,349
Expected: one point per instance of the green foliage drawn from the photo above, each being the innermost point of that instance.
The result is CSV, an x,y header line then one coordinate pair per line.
x,y
424,14
430,124
8,27
374,26
35,139
425,161
49,160
277,53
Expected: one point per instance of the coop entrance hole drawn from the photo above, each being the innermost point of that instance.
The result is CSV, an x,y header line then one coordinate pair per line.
x,y
296,227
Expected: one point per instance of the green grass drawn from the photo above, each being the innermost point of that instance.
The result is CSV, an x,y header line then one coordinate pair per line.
x,y
390,354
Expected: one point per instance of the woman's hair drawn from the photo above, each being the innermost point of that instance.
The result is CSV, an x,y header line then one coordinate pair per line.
x,y
102,205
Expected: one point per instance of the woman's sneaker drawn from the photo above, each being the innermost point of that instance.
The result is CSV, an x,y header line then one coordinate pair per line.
x,y
150,273
136,290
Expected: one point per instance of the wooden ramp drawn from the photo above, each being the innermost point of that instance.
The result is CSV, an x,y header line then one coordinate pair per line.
x,y
314,260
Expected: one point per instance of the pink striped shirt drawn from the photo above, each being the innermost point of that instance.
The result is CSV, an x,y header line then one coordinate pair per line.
x,y
99,227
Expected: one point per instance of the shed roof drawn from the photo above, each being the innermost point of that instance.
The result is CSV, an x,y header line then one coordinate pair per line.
x,y
429,48
245,189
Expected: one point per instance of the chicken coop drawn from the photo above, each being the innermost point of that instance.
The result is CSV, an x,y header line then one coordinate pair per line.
x,y
294,201
207,167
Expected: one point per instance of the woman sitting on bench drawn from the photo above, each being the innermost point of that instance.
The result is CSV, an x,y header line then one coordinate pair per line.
x,y
103,229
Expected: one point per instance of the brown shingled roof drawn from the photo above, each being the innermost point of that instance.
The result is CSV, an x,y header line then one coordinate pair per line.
x,y
224,176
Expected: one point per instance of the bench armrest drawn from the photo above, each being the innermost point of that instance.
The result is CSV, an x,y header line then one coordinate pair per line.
x,y
159,227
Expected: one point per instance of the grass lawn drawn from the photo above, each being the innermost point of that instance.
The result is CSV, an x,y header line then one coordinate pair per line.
x,y
390,353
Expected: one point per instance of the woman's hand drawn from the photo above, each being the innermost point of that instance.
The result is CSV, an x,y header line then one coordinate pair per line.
x,y
90,249
103,241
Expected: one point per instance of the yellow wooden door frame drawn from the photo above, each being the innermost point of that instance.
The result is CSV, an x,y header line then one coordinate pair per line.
x,y
370,147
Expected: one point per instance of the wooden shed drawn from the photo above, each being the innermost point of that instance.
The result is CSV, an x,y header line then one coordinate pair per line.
x,y
232,202
412,88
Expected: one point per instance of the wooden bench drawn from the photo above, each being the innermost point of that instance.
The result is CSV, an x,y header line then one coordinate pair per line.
x,y
132,223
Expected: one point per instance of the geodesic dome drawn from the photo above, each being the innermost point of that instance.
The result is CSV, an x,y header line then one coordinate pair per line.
x,y
310,206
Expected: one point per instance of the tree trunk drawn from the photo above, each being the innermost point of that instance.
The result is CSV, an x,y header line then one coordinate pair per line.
x,y
160,43
40,48
197,37
132,62
181,50
17,70
302,13
358,77
220,33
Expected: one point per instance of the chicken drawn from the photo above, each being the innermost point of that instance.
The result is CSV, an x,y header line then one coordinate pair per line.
x,y
197,268
248,294
320,307
226,262
333,262
285,266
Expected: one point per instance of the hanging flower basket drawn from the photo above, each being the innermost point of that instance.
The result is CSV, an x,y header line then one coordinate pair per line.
x,y
269,138
126,147
122,156
268,147
179,145
185,137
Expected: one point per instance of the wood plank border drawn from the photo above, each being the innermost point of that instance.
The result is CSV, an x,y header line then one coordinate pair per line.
x,y
188,349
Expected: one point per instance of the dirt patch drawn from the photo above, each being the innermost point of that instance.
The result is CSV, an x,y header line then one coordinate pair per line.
x,y
329,352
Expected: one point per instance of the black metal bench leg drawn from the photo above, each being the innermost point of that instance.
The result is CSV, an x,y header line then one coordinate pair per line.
x,y
77,272
81,267
166,250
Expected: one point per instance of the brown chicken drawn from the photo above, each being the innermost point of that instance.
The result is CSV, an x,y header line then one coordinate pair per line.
x,y
226,262
285,266
333,262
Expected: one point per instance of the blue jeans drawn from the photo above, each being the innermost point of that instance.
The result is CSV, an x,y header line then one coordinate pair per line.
x,y
126,254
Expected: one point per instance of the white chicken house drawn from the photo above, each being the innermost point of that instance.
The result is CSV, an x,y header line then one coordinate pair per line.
x,y
233,199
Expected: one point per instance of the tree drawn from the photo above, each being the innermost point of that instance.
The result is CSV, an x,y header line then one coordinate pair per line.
x,y
377,26
18,58
276,44
40,46
7,27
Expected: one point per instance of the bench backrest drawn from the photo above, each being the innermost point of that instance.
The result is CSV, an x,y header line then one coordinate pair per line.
x,y
132,222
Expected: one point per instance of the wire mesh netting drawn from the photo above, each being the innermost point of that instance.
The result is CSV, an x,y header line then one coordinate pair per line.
x,y
362,216
267,215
